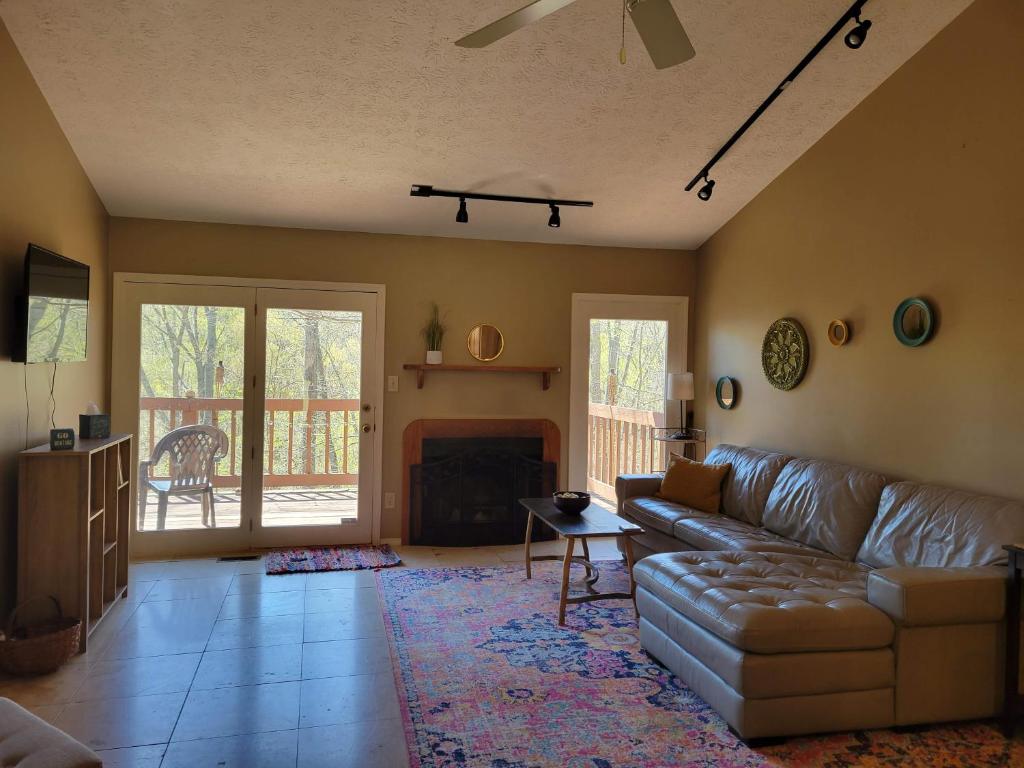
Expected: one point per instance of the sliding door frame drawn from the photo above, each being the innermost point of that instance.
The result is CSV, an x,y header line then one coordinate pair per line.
x,y
124,388
588,306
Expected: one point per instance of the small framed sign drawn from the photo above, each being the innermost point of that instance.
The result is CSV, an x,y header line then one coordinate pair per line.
x,y
62,439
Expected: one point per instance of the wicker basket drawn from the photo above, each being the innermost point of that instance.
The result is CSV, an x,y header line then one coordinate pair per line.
x,y
40,648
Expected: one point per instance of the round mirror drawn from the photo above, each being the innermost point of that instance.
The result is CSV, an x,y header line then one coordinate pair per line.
x,y
485,342
913,322
725,393
838,333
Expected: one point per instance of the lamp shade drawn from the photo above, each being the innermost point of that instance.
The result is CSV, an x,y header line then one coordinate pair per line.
x,y
680,386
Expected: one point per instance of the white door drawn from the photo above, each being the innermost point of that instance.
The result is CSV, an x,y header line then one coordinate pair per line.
x,y
289,378
623,348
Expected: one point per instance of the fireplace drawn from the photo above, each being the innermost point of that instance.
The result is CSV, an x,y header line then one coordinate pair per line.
x,y
464,477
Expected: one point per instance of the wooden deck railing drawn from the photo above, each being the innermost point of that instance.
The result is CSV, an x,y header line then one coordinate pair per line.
x,y
620,441
306,442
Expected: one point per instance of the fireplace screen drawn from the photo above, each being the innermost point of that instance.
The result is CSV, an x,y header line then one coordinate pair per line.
x,y
466,491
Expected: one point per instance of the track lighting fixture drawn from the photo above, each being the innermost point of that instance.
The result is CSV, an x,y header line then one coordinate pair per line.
x,y
854,39
462,217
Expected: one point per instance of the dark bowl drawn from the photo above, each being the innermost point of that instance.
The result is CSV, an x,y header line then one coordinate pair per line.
x,y
572,506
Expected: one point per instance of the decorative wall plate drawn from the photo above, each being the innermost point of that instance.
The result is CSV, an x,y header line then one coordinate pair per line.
x,y
785,353
838,333
913,322
725,393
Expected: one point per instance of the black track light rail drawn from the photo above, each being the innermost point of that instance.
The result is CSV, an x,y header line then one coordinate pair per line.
x,y
852,13
425,190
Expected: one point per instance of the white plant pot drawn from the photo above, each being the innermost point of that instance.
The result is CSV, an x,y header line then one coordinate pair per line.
x,y
434,357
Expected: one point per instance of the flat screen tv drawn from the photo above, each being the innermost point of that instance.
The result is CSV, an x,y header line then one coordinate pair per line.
x,y
53,315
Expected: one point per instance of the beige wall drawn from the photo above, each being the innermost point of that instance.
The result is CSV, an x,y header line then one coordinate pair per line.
x,y
524,289
917,192
45,198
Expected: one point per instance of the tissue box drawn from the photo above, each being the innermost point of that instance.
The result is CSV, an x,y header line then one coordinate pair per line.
x,y
94,425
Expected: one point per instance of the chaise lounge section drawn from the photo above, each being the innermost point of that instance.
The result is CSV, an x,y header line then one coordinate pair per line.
x,y
824,597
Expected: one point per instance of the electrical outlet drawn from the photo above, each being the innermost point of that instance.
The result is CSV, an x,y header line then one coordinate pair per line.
x,y
392,383
389,500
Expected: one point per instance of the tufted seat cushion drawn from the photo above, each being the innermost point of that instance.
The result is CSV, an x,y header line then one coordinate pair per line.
x,y
659,514
719,532
769,603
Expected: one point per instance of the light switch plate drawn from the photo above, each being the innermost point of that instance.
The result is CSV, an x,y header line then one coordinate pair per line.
x,y
392,383
389,500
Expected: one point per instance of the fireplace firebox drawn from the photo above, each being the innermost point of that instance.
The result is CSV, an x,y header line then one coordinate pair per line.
x,y
465,490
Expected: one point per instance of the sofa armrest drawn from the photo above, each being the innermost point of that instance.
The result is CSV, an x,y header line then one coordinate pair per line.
x,y
938,596
629,486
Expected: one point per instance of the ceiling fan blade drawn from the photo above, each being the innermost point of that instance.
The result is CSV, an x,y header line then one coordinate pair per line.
x,y
662,33
514,21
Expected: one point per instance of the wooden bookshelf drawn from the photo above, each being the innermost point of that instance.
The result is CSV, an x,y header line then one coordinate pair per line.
x,y
422,369
74,526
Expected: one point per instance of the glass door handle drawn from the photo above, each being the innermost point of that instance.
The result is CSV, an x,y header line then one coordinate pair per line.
x,y
366,427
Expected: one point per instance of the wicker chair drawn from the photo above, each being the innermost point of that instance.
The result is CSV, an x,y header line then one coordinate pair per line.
x,y
193,451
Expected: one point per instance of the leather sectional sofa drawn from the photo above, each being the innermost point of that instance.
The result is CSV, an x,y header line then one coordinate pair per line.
x,y
824,597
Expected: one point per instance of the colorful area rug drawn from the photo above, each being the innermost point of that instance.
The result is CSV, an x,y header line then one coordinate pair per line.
x,y
487,679
304,559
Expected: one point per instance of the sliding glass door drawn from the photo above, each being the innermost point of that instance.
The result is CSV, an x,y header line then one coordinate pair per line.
x,y
255,410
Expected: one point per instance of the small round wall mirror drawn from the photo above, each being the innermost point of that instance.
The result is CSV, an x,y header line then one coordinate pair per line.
x,y
725,393
913,322
485,342
838,333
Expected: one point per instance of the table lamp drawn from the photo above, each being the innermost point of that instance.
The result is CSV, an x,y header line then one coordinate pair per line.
x,y
680,387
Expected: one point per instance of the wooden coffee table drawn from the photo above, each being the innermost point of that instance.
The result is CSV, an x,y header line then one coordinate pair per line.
x,y
592,523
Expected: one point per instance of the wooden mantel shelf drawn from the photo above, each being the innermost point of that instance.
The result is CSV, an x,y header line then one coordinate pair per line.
x,y
545,371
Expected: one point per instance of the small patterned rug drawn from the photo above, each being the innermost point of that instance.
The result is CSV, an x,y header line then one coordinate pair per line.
x,y
487,679
304,559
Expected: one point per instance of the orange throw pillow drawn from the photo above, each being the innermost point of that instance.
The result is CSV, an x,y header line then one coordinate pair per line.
x,y
694,485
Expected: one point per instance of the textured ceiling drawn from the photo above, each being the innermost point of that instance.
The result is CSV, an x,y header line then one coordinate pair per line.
x,y
321,113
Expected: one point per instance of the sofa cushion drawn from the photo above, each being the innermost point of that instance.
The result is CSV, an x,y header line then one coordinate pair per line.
x,y
824,505
719,532
746,487
933,526
693,484
769,603
659,514
30,742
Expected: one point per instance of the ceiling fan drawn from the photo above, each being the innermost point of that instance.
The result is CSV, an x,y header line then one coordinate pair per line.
x,y
660,30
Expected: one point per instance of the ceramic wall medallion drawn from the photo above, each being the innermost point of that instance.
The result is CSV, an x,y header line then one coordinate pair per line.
x,y
726,393
785,353
838,333
913,322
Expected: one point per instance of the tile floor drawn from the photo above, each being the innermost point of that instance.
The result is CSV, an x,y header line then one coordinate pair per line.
x,y
216,664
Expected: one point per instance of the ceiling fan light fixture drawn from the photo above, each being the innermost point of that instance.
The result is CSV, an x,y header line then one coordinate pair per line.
x,y
855,37
554,221
705,192
462,217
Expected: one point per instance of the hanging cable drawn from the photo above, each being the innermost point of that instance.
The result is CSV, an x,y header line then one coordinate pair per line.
x,y
622,48
28,406
53,401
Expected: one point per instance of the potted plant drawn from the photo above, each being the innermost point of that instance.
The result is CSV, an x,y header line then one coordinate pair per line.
x,y
433,332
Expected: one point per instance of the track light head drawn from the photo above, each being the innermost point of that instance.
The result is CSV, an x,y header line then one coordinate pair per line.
x,y
462,216
554,221
704,193
855,37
